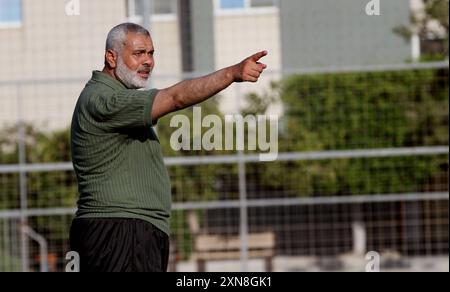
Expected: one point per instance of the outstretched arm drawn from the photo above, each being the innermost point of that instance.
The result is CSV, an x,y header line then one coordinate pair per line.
x,y
191,92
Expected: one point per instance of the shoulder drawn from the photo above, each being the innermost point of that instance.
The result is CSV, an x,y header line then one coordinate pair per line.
x,y
93,93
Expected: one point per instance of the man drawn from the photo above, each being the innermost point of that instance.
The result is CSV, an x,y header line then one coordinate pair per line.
x,y
122,223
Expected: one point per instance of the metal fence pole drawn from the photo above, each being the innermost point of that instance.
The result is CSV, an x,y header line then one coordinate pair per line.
x,y
243,226
21,136
147,7
243,229
43,247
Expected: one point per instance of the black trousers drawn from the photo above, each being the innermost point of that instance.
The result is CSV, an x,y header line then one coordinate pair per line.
x,y
119,245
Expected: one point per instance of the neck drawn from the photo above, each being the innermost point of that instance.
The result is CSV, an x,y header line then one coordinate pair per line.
x,y
110,72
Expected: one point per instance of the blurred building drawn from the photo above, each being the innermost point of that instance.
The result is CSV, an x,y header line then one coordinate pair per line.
x,y
46,55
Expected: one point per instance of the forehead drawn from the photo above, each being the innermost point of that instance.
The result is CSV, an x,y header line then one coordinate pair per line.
x,y
138,41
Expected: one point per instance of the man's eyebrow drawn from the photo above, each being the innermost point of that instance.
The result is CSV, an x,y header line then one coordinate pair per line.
x,y
143,51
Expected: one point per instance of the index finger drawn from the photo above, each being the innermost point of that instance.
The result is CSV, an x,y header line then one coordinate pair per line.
x,y
258,56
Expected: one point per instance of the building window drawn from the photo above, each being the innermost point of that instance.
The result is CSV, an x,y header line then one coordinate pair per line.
x,y
232,6
160,10
10,13
246,4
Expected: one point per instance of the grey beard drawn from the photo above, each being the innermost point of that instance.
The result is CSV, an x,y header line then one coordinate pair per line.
x,y
129,77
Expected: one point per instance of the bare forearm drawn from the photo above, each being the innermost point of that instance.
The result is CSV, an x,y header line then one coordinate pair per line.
x,y
191,92
194,91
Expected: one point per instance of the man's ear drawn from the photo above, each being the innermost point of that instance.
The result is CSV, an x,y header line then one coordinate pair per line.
x,y
111,59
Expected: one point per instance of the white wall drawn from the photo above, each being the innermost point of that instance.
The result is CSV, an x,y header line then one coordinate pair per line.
x,y
50,45
239,36
53,46
168,68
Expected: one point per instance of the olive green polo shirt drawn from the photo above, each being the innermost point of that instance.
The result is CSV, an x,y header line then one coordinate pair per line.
x,y
117,156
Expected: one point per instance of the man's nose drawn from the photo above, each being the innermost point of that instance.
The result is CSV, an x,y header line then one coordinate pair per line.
x,y
148,61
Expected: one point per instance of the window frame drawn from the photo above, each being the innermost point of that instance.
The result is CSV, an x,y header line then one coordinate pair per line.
x,y
131,4
246,10
13,24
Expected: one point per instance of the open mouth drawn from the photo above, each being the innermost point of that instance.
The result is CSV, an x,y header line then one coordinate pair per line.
x,y
144,74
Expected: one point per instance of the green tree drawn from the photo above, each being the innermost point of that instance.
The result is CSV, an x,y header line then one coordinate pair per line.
x,y
359,111
423,24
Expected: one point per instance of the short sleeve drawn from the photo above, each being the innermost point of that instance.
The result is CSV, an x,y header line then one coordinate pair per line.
x,y
124,109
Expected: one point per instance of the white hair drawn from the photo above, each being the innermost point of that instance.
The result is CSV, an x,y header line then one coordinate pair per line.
x,y
118,35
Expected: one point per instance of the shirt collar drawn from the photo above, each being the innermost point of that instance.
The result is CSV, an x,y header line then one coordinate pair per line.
x,y
104,78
